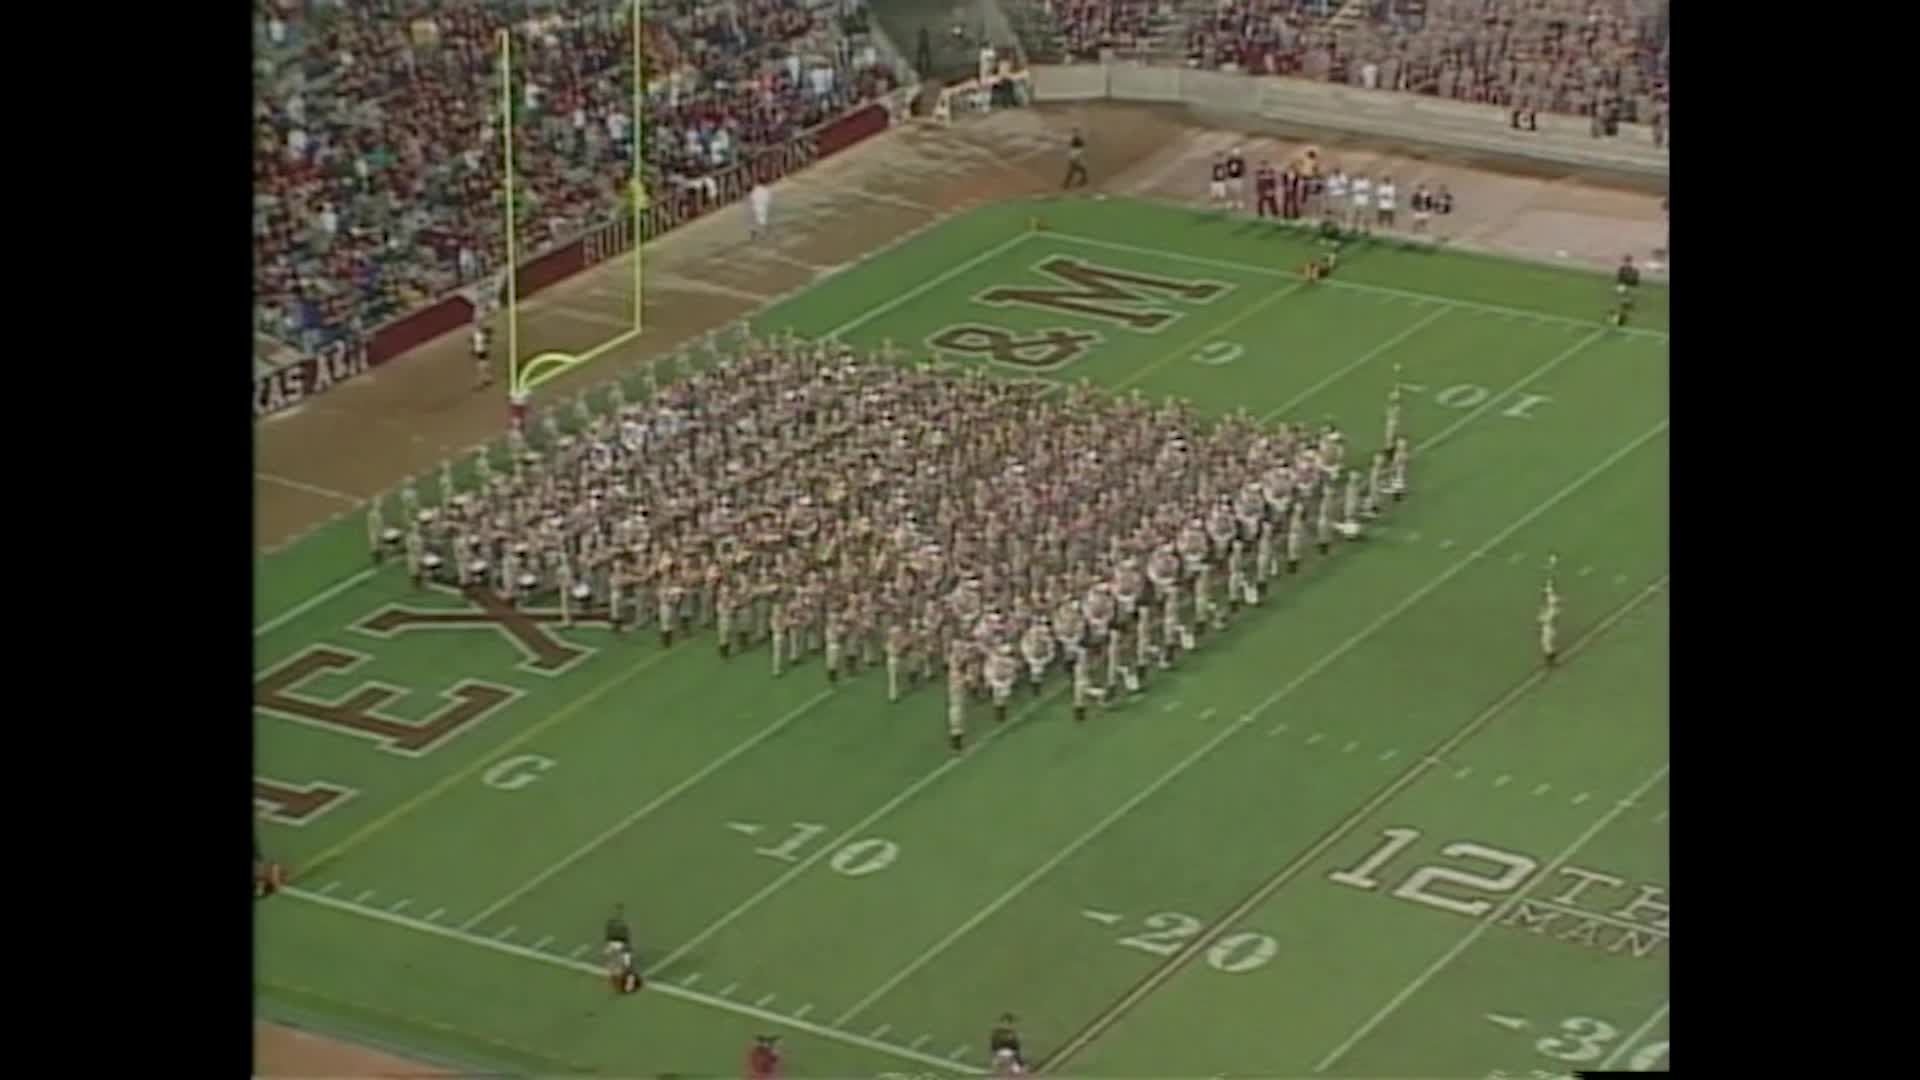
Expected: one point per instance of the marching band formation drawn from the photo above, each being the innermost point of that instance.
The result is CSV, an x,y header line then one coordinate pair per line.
x,y
876,514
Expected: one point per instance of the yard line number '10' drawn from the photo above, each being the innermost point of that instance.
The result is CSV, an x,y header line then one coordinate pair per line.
x,y
1236,954
857,858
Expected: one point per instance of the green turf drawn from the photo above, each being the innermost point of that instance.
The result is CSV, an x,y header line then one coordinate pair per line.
x,y
1150,891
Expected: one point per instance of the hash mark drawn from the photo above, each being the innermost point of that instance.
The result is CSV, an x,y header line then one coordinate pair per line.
x,y
1580,798
728,992
362,898
881,1031
1350,748
1502,780
1660,817
1314,738
1414,536
1542,789
959,1054
1516,558
1388,755
434,915
331,885
1170,706
919,1042
401,906
1462,774
801,1012
578,949
1619,579
542,943
1277,729
1445,544
505,934
1585,570
762,1003
691,979
1207,714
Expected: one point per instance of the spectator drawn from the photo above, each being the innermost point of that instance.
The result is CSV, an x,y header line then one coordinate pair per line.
x,y
377,168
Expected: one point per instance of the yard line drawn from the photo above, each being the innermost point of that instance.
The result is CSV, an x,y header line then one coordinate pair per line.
x,y
460,776
331,885
1475,413
880,1032
597,971
919,290
505,934
314,601
1639,1033
1207,332
801,1012
920,1042
311,489
727,990
362,898
837,842
1609,920
649,807
1385,346
541,945
1242,721
401,906
1352,821
1353,286
1480,927
763,1002
434,915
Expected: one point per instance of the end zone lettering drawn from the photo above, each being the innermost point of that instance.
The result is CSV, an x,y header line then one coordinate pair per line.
x,y
285,387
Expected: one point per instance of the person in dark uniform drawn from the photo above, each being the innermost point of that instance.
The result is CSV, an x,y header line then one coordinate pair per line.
x,y
1291,193
1266,187
1004,1037
1626,282
1076,160
621,972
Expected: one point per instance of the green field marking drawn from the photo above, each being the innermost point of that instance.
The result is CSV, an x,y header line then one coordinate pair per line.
x,y
1233,728
1515,391
1425,760
665,989
1480,928
645,809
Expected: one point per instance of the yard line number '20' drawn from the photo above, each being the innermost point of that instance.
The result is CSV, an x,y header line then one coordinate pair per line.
x,y
1236,954
855,859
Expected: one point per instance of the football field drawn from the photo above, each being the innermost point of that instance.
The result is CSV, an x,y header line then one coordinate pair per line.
x,y
1362,833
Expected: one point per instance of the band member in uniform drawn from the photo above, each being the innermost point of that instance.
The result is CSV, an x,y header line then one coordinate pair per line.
x,y
1237,180
1037,648
482,365
835,632
1001,670
1266,186
898,642
1335,203
1376,476
956,697
1217,180
1362,202
1383,198
1076,160
1296,535
1397,476
1549,622
1084,689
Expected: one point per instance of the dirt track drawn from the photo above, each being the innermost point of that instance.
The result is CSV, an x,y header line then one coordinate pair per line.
x,y
323,457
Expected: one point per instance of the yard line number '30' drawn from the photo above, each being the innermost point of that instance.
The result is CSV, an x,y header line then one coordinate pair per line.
x,y
1583,1039
857,858
1236,954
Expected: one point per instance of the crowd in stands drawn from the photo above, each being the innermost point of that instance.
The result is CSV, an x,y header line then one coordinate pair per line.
x,y
378,149
1605,59
1085,27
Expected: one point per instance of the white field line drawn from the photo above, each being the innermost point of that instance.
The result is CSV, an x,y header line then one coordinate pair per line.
x,y
1352,821
587,968
837,842
1186,348
1242,721
1479,410
1284,407
921,289
1354,286
1633,1040
311,489
314,601
1480,927
649,807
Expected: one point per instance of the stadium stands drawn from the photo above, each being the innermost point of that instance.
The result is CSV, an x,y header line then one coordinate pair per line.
x,y
1600,58
1597,59
377,173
